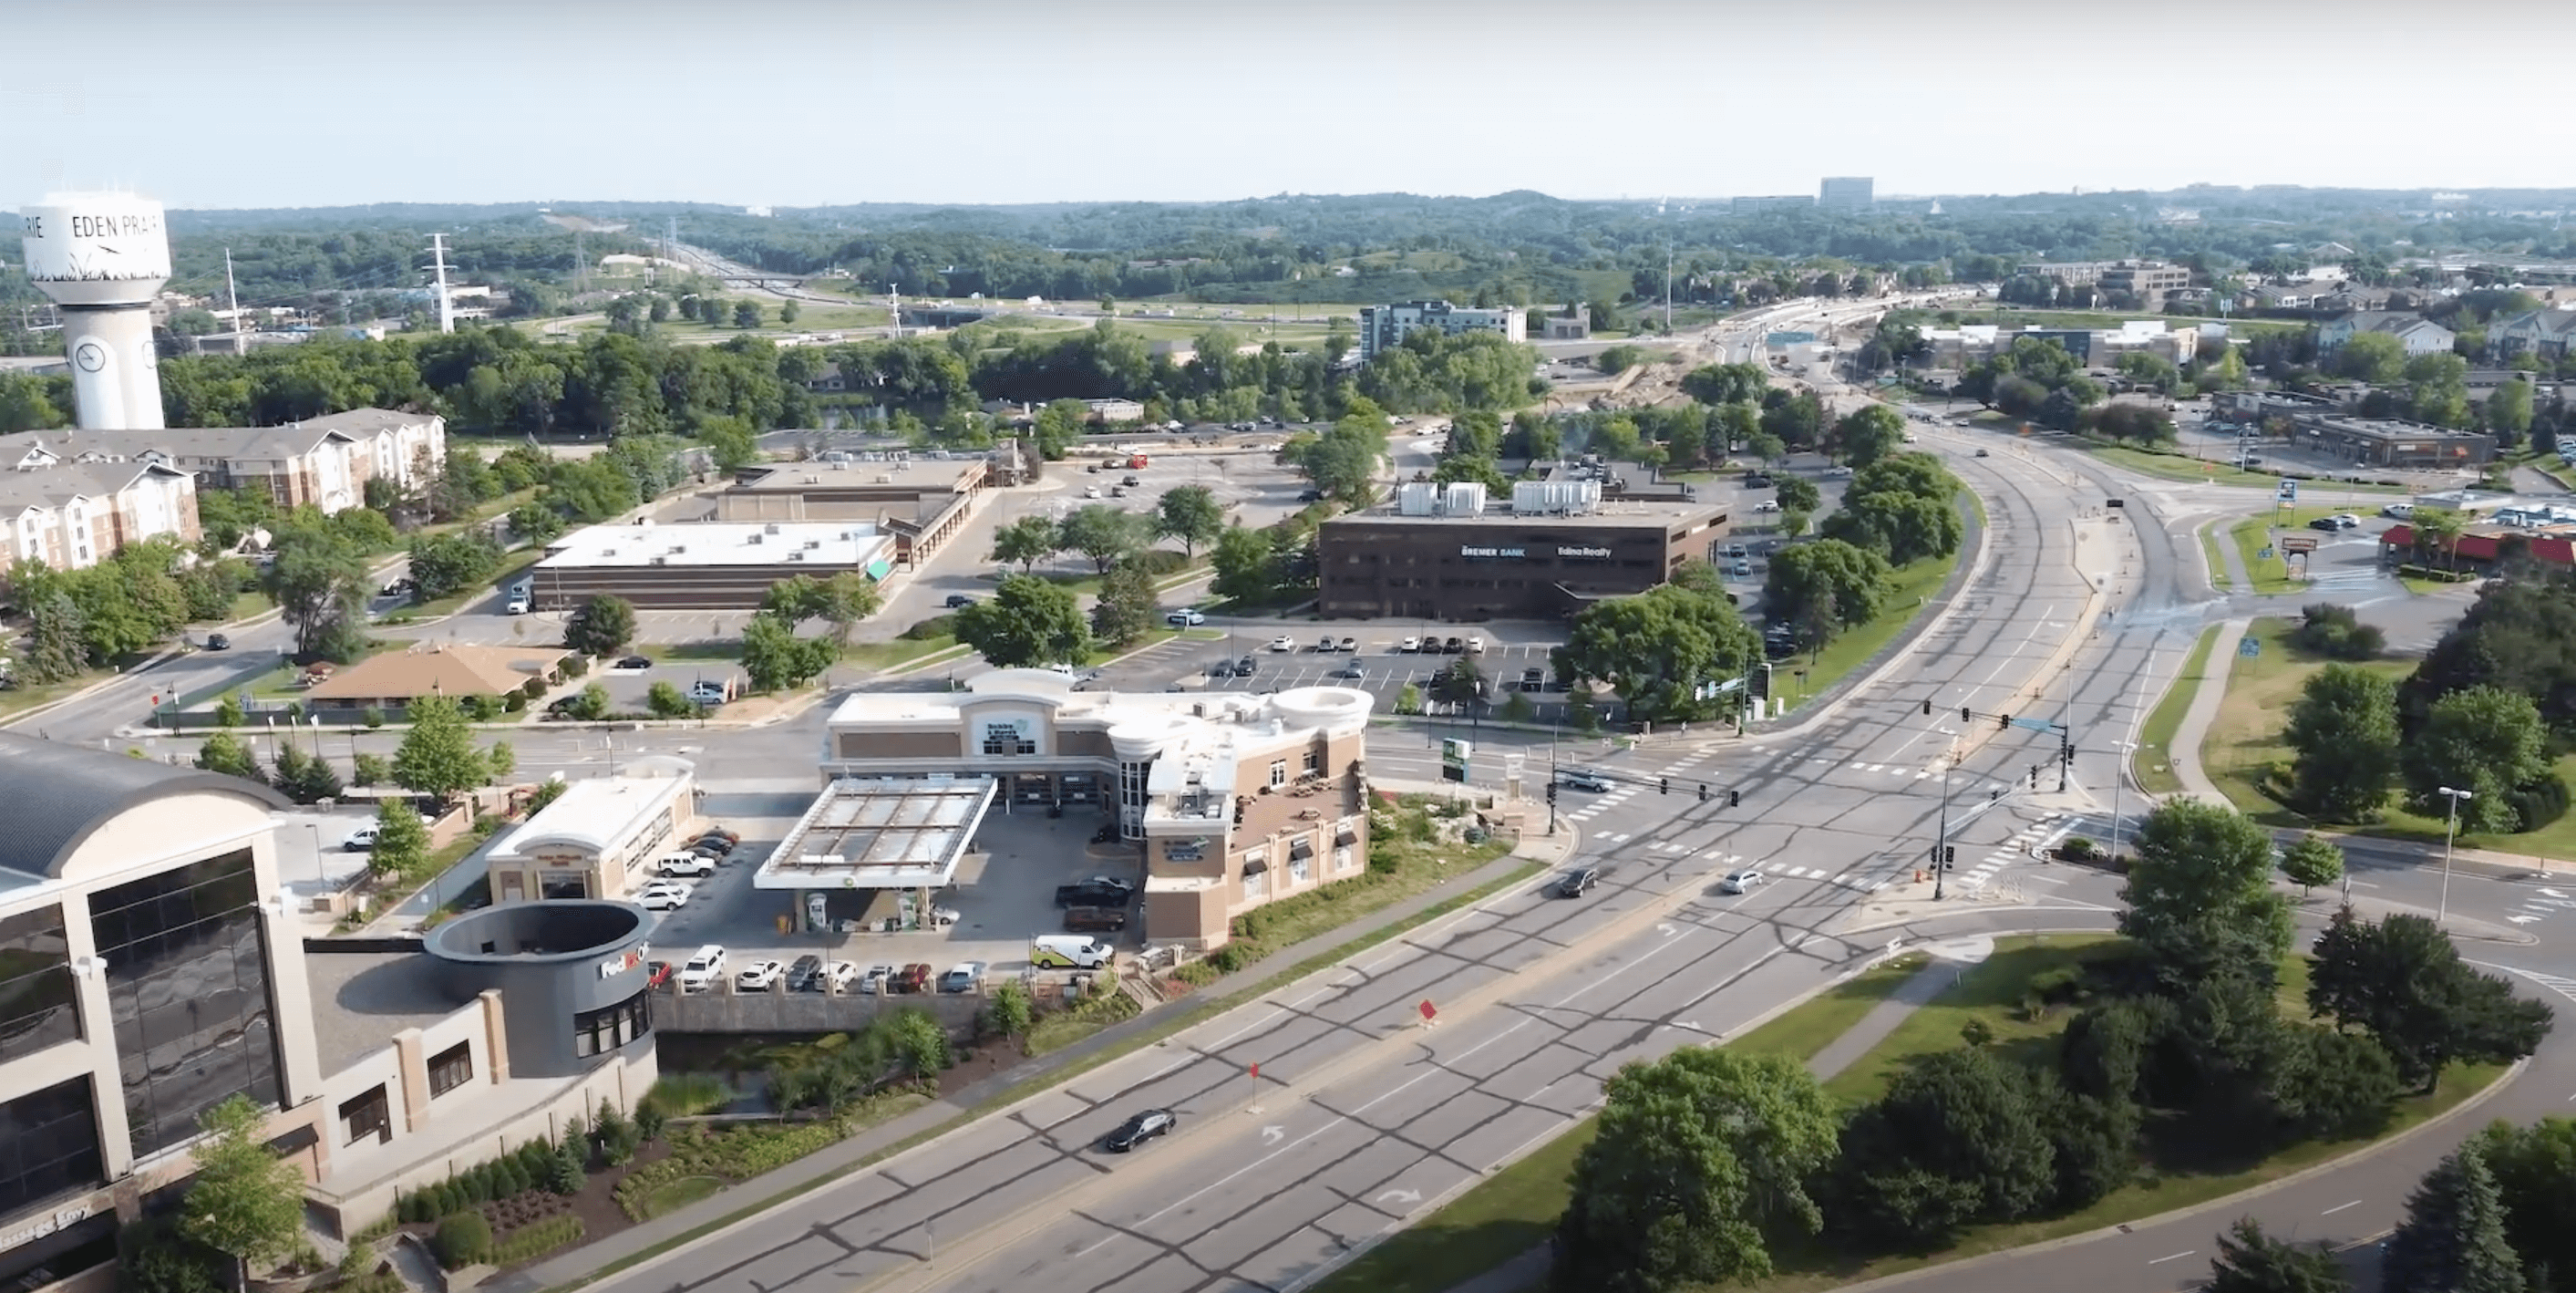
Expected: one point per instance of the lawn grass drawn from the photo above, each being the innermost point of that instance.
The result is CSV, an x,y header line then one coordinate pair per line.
x,y
1911,588
1990,990
1514,1209
2244,750
675,1195
2152,763
2219,579
2263,530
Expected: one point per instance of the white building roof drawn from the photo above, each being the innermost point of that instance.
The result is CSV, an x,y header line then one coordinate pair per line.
x,y
720,543
597,816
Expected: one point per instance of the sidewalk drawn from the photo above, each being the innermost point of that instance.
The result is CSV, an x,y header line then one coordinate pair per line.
x,y
805,1174
1528,1270
2184,754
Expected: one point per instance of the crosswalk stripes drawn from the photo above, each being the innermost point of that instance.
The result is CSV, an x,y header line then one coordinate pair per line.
x,y
1862,884
2038,835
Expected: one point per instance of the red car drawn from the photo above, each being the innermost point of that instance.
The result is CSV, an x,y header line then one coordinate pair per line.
x,y
911,978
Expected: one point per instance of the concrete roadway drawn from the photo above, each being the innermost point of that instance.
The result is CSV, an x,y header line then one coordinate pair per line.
x,y
1363,1115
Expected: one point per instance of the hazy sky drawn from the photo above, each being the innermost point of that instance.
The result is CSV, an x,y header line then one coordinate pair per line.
x,y
268,103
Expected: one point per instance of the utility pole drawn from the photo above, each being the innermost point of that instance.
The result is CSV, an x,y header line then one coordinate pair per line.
x,y
1668,287
234,298
580,264
446,310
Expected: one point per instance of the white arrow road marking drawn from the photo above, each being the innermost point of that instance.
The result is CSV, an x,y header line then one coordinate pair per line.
x,y
2553,893
1273,1135
2522,920
1407,1197
1666,930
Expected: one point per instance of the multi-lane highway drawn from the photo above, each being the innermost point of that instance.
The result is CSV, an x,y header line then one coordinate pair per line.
x,y
1364,1113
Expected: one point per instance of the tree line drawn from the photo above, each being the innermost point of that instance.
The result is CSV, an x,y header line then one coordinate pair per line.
x,y
1708,1163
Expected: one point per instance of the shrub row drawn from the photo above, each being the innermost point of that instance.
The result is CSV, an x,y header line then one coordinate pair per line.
x,y
734,1154
536,1240
530,1166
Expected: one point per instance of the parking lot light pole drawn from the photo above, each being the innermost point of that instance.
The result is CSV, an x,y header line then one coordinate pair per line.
x,y
2450,836
2119,783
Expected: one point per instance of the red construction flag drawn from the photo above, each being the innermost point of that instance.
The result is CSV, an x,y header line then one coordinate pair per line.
x,y
1256,1068
1428,1014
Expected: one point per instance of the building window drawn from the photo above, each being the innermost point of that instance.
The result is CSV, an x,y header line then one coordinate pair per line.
x,y
1341,860
187,992
1278,772
1300,869
1314,763
598,1032
368,1115
562,884
1007,738
1256,885
453,1068
48,1145
36,1007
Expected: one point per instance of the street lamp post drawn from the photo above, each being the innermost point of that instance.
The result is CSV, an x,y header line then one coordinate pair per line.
x,y
2119,783
2450,835
1941,841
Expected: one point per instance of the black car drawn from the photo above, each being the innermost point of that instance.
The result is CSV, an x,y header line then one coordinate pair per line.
x,y
1139,1129
1098,891
636,662
958,601
2326,523
1532,679
713,848
1576,882
806,975
218,642
1246,665
1757,482
1221,669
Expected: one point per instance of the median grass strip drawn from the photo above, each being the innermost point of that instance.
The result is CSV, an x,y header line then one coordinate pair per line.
x,y
2209,549
2152,763
1515,1209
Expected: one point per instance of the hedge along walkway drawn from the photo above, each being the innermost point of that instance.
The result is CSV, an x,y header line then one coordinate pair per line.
x,y
1529,1269
577,1266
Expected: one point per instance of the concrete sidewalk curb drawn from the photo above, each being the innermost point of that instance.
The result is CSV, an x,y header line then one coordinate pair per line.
x,y
2183,756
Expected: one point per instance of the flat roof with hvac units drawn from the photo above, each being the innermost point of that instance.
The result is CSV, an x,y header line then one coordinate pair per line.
x,y
880,833
711,565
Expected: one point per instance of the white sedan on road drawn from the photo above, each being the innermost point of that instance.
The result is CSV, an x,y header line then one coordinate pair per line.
x,y
1283,643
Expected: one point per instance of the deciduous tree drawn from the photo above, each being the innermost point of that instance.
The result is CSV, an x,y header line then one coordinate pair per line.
x,y
2200,897
2311,862
1867,434
2403,981
1190,515
1125,610
224,752
601,626
1028,622
1826,587
1104,534
2484,740
244,1201
1662,650
1701,1166
1027,541
437,756
774,658
2344,729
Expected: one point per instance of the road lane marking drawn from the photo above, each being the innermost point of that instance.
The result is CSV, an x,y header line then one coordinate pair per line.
x,y
2174,1257
2340,1207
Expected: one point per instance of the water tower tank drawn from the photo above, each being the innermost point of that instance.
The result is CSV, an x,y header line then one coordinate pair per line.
x,y
102,257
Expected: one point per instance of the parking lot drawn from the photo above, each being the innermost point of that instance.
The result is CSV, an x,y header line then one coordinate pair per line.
x,y
1004,893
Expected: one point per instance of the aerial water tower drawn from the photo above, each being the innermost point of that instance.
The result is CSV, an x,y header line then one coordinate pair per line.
x,y
101,257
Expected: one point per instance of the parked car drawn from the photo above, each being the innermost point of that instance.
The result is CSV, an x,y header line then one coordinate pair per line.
x,y
2325,523
873,980
635,662
1533,678
911,978
1094,920
1283,642
708,693
1246,666
711,846
1576,882
965,976
1188,617
1221,669
685,864
806,975
1476,644
1409,646
1755,480
1740,881
703,968
1839,470
720,833
958,601
1350,644
1097,891
1133,481
1324,645
840,975
1139,1129
2346,521
663,896
360,840
1766,505
759,976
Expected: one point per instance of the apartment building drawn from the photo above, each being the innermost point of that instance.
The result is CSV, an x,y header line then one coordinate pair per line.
x,y
1384,327
2550,334
1236,800
2417,334
409,449
73,515
1845,193
2148,280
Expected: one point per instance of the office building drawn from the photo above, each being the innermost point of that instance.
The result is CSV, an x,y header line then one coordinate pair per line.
x,y
1384,327
1544,559
708,565
1236,800
1781,202
1844,193
599,838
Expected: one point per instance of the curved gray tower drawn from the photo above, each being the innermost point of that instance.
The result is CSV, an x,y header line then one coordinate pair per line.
x,y
102,257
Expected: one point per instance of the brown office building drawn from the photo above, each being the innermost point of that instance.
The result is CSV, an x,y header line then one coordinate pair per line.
x,y
1500,565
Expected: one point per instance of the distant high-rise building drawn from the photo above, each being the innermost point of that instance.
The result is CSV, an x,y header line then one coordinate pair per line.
x,y
1845,193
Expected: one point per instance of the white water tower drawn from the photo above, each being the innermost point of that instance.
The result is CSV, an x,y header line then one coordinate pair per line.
x,y
102,257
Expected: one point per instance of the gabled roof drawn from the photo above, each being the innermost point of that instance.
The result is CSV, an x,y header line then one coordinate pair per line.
x,y
367,423
2544,323
58,795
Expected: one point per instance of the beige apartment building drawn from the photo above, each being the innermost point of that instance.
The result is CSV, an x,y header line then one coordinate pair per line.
x,y
73,515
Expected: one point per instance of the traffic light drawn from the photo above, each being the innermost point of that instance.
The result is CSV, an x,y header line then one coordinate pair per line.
x,y
1663,785
1735,799
1949,856
1964,715
1551,787
1703,792
2003,722
2066,751
1927,707
2034,776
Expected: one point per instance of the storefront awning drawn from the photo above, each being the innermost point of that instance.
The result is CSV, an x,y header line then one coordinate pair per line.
x,y
1256,866
1300,849
1347,838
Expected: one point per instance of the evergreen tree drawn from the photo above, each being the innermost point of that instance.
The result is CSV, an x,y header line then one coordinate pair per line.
x,y
2250,1261
2453,1238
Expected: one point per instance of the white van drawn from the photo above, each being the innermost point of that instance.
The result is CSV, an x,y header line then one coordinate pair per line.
x,y
1068,952
704,970
522,596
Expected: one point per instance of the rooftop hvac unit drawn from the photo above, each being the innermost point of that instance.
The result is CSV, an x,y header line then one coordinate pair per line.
x,y
661,561
756,538
1530,496
813,545
1417,498
1464,498
771,528
798,555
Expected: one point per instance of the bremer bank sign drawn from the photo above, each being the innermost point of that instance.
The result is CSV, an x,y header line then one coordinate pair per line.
x,y
1511,553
